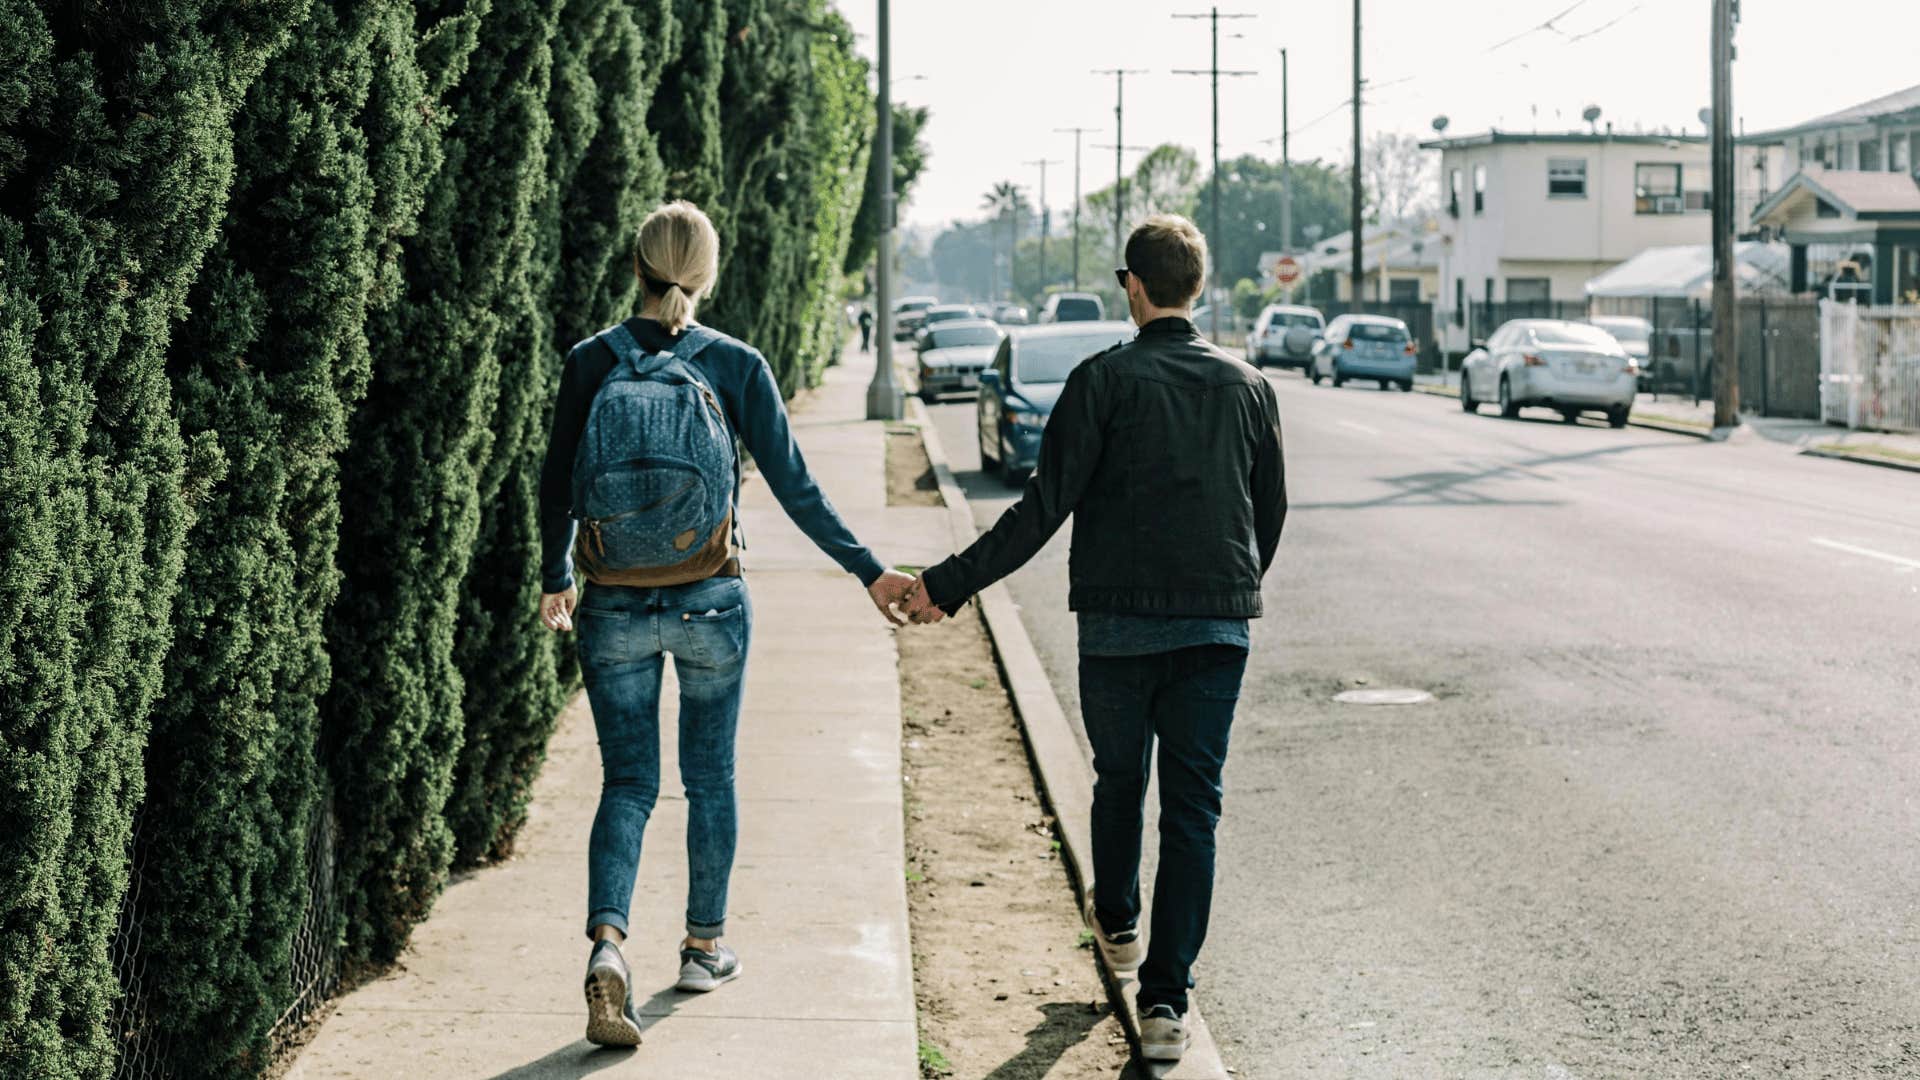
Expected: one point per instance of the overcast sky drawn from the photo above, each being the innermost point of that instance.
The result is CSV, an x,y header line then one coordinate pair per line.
x,y
1001,74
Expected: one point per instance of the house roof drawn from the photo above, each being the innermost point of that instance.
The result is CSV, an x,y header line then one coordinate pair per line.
x,y
1863,194
1686,270
1489,138
1894,104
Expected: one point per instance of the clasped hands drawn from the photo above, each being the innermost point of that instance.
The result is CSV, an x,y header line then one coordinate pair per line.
x,y
902,598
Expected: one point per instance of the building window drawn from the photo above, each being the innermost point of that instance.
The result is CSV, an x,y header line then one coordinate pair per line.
x,y
1529,290
1403,290
1479,188
1656,189
1567,178
1698,201
1897,154
1870,155
1453,192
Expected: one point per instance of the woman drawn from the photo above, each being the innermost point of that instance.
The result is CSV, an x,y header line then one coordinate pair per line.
x,y
628,621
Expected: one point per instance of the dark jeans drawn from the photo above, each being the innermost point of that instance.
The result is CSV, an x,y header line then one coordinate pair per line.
x,y
1185,698
625,634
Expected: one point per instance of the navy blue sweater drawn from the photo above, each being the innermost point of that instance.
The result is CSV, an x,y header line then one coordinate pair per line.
x,y
753,405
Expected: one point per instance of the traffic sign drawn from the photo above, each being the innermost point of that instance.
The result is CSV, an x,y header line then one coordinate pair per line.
x,y
1286,271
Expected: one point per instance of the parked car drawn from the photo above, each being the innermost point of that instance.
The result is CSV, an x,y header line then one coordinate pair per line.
x,y
1283,335
907,313
1018,391
1073,307
1634,335
1365,347
1569,366
940,313
951,355
1010,315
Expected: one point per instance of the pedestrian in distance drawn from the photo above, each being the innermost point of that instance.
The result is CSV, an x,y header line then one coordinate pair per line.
x,y
639,495
866,329
1166,451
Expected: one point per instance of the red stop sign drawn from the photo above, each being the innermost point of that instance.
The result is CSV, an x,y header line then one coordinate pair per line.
x,y
1287,270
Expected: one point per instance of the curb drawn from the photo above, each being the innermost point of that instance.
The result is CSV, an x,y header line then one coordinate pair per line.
x,y
1864,459
1652,425
1065,774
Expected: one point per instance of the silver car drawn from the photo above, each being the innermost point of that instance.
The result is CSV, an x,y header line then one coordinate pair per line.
x,y
1569,366
951,355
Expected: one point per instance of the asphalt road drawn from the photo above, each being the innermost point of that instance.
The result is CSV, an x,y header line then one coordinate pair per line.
x,y
1660,820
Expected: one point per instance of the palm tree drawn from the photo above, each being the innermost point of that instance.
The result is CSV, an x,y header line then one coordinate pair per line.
x,y
1006,199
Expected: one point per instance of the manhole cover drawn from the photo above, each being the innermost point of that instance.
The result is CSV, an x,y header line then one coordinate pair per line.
x,y
1383,696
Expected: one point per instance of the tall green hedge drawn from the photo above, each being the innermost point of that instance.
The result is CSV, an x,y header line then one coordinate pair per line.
x,y
116,157
269,363
412,479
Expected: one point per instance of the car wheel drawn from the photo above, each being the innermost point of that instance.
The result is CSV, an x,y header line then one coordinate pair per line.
x,y
929,397
989,463
1339,380
1313,372
1509,408
1406,386
1617,416
1570,416
1466,395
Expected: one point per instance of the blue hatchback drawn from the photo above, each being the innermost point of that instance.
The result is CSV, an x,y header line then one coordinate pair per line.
x,y
1018,389
1365,347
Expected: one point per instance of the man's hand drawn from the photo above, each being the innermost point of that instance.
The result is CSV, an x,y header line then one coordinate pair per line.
x,y
888,589
920,607
556,610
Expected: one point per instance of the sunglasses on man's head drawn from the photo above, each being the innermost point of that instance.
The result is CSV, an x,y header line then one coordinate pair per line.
x,y
1120,274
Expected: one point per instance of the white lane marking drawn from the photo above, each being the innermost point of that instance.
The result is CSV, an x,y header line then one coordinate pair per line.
x,y
1897,560
1358,427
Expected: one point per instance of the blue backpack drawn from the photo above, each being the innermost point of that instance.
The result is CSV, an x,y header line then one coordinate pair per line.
x,y
656,471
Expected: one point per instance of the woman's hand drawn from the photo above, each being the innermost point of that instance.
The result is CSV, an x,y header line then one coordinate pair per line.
x,y
556,610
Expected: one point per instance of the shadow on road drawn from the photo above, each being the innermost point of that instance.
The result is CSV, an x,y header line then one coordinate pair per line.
x,y
581,1058
1445,488
1065,1024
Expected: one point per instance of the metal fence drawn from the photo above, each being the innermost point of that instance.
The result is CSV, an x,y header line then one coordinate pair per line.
x,y
143,1053
1870,366
1779,342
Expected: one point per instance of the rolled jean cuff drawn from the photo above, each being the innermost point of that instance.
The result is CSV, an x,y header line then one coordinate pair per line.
x,y
607,917
706,931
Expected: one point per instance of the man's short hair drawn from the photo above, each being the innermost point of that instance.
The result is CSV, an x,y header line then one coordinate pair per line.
x,y
1169,256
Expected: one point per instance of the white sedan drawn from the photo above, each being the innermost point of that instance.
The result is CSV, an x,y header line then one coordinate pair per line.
x,y
1567,366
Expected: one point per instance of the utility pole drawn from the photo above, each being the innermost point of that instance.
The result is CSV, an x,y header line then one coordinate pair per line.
x,y
1726,343
1077,132
1359,198
883,395
1046,218
1119,146
1213,17
1286,168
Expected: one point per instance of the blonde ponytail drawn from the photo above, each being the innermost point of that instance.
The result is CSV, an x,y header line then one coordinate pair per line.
x,y
677,257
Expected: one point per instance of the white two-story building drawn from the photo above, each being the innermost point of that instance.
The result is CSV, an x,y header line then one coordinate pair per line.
x,y
1526,220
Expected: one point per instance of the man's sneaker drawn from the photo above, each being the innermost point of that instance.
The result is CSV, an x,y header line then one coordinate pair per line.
x,y
611,1019
1163,1034
1123,951
703,971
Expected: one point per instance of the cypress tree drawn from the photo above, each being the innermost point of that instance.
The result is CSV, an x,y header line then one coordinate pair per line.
x,y
686,109
114,162
411,482
604,173
269,363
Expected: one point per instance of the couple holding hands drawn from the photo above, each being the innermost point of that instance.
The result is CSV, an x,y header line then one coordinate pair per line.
x,y
1165,450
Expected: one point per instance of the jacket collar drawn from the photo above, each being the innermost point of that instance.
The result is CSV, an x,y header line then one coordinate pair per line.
x,y
1169,324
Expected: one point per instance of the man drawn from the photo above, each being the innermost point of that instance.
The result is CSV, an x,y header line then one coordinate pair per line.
x,y
1167,452
866,329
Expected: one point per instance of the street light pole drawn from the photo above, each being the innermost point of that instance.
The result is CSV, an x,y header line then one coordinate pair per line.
x,y
1046,219
1359,203
883,394
1726,342
1119,147
1077,132
1213,17
1286,168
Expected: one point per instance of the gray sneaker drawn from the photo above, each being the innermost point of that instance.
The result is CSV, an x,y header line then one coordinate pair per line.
x,y
1123,951
1163,1034
703,971
611,1018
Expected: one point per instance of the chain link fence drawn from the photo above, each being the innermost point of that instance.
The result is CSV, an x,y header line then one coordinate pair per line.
x,y
144,1052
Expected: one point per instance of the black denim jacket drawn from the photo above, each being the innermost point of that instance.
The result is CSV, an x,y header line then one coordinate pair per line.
x,y
1167,452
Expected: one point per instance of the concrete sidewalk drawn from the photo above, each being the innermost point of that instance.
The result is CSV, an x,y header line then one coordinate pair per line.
x,y
490,986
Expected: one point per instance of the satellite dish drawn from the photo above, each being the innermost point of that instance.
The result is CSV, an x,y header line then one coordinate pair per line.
x,y
1706,117
1591,113
1439,123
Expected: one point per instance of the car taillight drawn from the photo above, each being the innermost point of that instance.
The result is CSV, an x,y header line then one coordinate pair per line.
x,y
1347,345
1533,360
1410,350
1633,366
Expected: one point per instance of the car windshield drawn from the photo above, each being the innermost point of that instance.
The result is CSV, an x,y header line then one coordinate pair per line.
x,y
1288,320
946,316
1573,334
1368,331
1051,359
1627,330
1077,309
956,336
